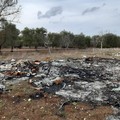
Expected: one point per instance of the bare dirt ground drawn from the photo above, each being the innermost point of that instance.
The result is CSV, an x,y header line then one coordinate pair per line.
x,y
16,105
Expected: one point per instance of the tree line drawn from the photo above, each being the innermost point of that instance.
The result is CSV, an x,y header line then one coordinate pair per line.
x,y
12,37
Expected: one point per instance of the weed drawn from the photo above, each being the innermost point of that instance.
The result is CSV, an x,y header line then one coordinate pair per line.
x,y
61,114
1,104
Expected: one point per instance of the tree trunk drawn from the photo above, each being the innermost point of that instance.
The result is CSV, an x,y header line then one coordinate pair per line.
x,y
36,47
49,50
0,49
11,48
101,44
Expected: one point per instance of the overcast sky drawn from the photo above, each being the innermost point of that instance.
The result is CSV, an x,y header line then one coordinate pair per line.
x,y
88,16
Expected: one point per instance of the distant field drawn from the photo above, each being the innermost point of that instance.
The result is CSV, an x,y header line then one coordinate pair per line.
x,y
59,53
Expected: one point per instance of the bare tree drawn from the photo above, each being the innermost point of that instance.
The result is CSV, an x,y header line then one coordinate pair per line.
x,y
9,9
102,33
66,39
101,39
94,42
47,43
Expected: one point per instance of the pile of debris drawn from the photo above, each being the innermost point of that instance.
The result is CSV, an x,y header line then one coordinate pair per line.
x,y
92,80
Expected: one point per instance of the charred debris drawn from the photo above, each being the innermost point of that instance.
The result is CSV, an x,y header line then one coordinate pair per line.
x,y
92,80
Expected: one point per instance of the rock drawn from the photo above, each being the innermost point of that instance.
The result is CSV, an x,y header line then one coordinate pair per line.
x,y
84,56
59,63
40,75
113,117
29,99
37,62
116,89
2,76
70,94
13,60
5,67
36,96
57,80
118,54
47,82
2,88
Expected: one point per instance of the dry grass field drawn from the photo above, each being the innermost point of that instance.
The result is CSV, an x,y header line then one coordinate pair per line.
x,y
41,54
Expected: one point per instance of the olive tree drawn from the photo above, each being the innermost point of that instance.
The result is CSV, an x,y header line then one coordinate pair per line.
x,y
9,10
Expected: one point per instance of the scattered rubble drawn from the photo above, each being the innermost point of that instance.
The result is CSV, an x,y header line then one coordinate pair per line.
x,y
113,117
2,88
117,54
92,80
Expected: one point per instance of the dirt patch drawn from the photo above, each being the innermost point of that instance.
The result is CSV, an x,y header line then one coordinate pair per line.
x,y
48,108
17,105
86,112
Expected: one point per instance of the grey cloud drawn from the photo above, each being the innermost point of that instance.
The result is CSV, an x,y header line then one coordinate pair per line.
x,y
92,9
88,10
50,13
116,9
39,14
104,4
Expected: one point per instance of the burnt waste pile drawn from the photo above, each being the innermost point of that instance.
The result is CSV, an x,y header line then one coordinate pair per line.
x,y
92,80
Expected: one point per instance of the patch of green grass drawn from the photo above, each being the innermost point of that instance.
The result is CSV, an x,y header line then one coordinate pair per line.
x,y
61,114
1,104
21,91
